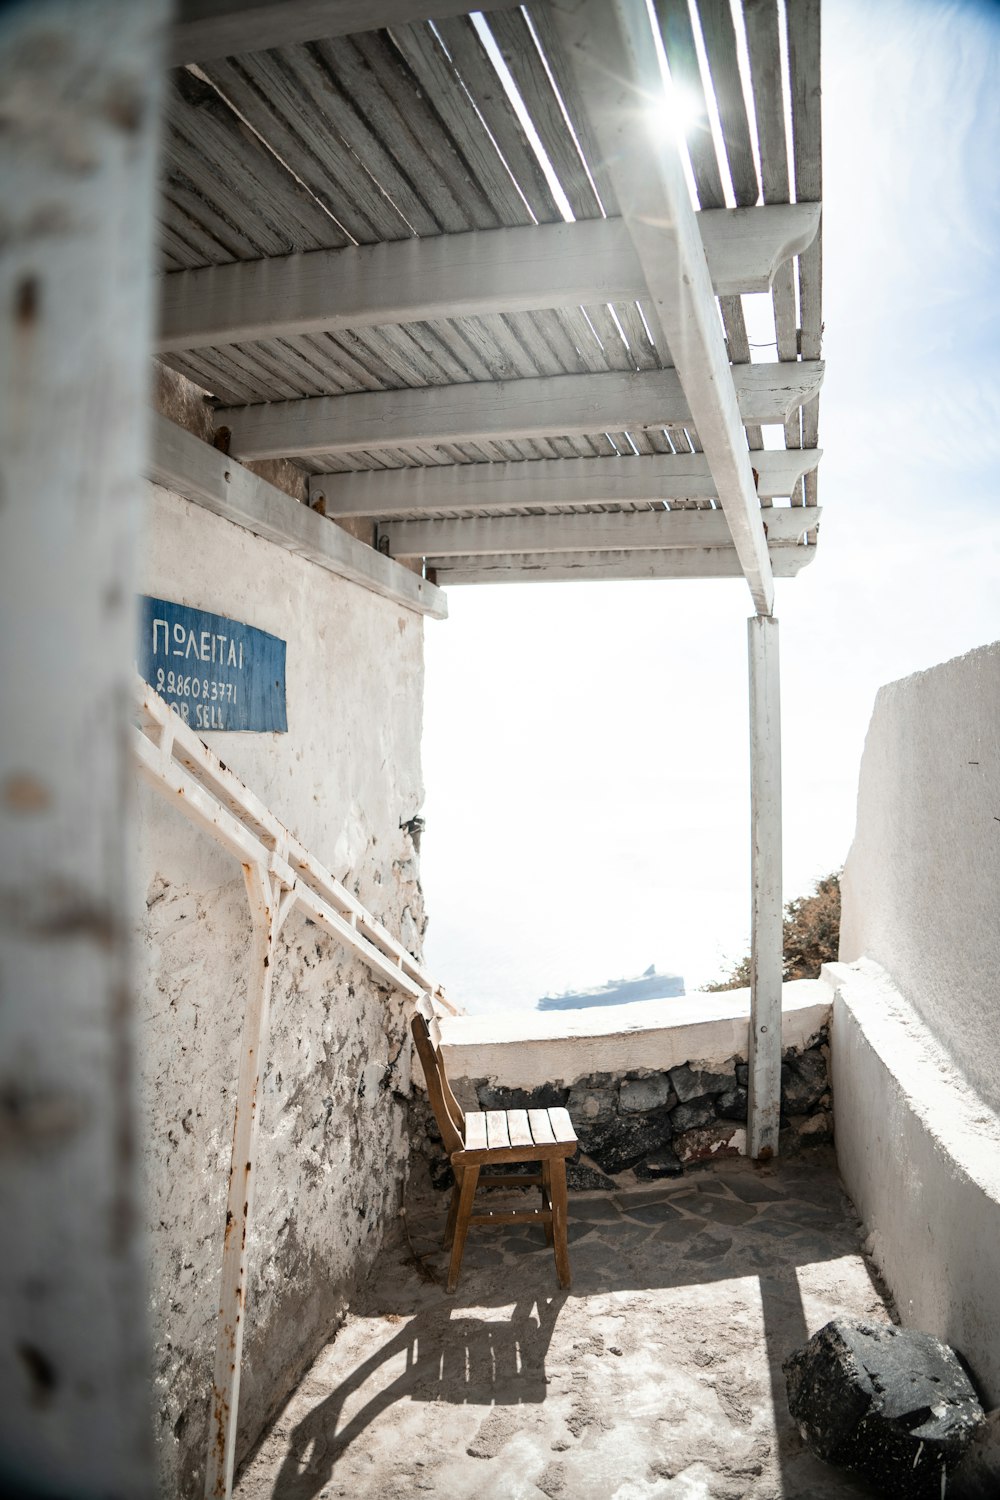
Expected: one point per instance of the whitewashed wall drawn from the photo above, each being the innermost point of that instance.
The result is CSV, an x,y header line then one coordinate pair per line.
x,y
921,889
915,1037
344,778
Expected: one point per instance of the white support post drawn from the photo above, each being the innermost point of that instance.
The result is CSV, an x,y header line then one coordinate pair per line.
x,y
766,940
79,100
267,911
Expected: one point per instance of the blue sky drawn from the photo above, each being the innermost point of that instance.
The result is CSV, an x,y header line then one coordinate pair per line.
x,y
585,745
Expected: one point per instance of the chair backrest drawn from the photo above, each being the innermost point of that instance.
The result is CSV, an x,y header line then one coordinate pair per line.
x,y
447,1110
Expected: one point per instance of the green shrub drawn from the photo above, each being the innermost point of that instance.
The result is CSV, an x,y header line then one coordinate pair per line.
x,y
811,936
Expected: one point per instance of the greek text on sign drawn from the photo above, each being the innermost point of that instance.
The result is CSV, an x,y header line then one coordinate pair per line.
x,y
214,672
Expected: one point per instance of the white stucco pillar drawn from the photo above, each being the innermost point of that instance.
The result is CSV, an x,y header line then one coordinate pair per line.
x,y
766,945
79,99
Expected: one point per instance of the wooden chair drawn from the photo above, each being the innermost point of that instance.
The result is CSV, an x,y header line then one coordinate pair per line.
x,y
474,1141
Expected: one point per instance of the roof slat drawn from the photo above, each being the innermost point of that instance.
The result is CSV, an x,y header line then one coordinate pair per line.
x,y
480,78
510,31
682,58
720,45
288,98
804,63
565,84
413,147
487,170
617,355
228,165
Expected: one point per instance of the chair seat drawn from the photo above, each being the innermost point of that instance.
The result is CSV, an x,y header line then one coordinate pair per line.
x,y
480,1138
516,1135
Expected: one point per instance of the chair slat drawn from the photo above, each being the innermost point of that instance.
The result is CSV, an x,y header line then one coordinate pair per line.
x,y
447,1110
496,1130
562,1125
496,1137
541,1128
518,1128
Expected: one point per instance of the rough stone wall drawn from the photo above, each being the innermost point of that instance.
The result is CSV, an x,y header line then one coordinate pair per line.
x,y
921,880
654,1123
333,1144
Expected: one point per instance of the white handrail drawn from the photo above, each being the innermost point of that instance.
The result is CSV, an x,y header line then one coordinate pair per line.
x,y
280,874
171,756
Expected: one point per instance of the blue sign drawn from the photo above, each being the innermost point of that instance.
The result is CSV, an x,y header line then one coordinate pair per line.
x,y
215,673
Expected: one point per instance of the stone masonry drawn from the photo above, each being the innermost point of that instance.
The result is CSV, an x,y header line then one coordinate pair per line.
x,y
654,1124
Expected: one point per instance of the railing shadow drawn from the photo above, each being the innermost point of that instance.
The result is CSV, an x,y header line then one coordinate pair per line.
x,y
451,1357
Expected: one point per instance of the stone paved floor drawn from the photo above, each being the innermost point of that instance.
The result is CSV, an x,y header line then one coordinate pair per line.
x,y
658,1374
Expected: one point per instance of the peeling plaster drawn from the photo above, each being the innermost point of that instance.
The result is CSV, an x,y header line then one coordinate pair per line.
x,y
333,1147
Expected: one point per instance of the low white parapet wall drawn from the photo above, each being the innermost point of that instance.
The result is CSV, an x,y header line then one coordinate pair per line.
x,y
919,1152
528,1049
652,1088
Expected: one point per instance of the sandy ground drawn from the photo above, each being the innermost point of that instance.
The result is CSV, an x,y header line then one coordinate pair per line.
x,y
658,1374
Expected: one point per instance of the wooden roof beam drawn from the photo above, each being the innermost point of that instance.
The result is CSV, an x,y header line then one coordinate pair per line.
x,y
612,49
183,463
695,562
461,275
602,531
206,29
483,411
549,482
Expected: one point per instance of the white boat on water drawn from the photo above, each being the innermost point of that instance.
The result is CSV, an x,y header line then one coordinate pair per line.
x,y
646,986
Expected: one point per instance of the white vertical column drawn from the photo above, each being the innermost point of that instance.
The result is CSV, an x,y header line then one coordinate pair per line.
x,y
79,99
766,942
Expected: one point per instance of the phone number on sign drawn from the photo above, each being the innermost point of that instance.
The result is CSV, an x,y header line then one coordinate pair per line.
x,y
176,685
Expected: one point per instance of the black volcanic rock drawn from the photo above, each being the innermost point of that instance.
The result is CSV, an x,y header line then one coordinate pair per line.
x,y
691,1083
804,1081
893,1404
628,1139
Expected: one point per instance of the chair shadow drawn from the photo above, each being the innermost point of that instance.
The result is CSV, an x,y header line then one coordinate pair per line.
x,y
457,1359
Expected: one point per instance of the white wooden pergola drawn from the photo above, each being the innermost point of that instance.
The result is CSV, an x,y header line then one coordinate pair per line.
x,y
475,281
479,279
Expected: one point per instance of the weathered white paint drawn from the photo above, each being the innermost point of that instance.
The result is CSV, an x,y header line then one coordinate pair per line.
x,y
548,482
264,897
919,1152
78,100
746,247
641,530
182,462
530,1048
218,28
921,883
613,53
461,275
183,769
568,405
332,1139
280,875
684,562
766,939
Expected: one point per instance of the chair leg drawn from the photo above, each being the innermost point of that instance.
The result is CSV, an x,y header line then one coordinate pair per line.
x,y
547,1197
470,1177
456,1192
559,1216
